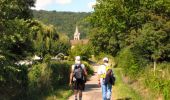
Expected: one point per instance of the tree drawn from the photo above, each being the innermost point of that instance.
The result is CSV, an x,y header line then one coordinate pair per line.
x,y
44,37
120,19
111,18
85,51
15,43
10,9
153,42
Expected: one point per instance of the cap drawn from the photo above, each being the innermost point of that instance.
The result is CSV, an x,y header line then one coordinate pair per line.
x,y
105,59
77,59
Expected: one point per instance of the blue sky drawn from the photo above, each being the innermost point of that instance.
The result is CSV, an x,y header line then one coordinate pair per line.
x,y
65,5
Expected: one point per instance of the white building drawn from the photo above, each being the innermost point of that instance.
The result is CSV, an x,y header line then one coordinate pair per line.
x,y
76,34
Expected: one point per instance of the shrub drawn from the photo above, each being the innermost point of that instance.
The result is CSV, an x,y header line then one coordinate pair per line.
x,y
84,51
39,79
100,57
44,78
89,68
60,73
126,59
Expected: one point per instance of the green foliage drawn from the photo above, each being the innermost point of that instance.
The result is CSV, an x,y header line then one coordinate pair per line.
x,y
61,73
47,78
60,47
65,22
127,61
13,80
101,55
103,42
153,42
89,68
15,39
160,82
47,59
62,93
137,31
122,90
39,78
124,19
15,45
84,51
21,37
44,38
47,41
11,9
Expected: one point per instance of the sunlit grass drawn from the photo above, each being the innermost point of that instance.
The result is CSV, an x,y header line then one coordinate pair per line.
x,y
122,91
60,94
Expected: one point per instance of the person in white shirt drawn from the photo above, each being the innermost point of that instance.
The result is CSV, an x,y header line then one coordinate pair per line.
x,y
106,88
78,84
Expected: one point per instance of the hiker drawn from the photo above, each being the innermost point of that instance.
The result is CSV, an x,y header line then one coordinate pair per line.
x,y
78,77
105,79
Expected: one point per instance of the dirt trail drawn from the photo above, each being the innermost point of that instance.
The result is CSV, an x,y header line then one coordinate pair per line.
x,y
92,91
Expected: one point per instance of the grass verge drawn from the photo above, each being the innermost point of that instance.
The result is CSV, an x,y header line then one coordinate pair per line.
x,y
122,91
62,93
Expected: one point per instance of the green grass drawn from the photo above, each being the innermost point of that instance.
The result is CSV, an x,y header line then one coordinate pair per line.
x,y
62,93
122,91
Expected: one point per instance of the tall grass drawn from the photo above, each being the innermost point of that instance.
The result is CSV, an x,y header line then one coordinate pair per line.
x,y
121,90
160,81
139,69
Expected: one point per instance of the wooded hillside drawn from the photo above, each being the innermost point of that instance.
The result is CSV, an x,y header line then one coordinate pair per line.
x,y
65,22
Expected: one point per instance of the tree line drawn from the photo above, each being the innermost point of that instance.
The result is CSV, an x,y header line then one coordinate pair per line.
x,y
22,37
137,32
65,22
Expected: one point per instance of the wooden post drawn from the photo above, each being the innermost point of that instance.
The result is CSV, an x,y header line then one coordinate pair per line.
x,y
154,67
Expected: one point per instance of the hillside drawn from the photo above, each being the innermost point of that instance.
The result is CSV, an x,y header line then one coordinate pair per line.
x,y
65,22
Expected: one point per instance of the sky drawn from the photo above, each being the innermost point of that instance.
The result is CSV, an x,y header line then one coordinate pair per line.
x,y
65,5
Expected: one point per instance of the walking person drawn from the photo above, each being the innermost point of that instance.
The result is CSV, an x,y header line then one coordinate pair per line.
x,y
105,79
78,77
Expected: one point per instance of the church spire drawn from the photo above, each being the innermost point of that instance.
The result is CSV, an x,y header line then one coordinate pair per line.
x,y
76,34
76,31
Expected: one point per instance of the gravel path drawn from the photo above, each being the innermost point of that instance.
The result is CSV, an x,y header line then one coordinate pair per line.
x,y
92,91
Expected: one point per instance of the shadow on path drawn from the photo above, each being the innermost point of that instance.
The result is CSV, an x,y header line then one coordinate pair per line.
x,y
90,87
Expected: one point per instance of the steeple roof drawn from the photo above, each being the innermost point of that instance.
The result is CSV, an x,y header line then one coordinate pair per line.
x,y
76,31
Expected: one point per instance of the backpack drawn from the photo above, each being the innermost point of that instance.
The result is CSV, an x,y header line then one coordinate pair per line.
x,y
78,73
110,78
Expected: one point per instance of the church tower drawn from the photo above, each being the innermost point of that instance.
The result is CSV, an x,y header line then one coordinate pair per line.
x,y
76,34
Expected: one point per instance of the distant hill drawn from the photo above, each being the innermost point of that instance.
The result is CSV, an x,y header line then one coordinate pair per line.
x,y
65,22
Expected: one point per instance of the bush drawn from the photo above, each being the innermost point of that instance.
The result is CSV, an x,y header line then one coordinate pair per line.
x,y
44,78
60,73
126,59
100,57
84,51
13,80
89,68
39,81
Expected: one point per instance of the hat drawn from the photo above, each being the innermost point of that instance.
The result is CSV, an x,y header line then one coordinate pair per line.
x,y
77,59
105,59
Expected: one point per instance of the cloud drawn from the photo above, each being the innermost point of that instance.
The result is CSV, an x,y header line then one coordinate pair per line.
x,y
41,4
63,2
91,4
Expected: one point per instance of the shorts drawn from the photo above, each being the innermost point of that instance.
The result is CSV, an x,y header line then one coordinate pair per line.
x,y
79,85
